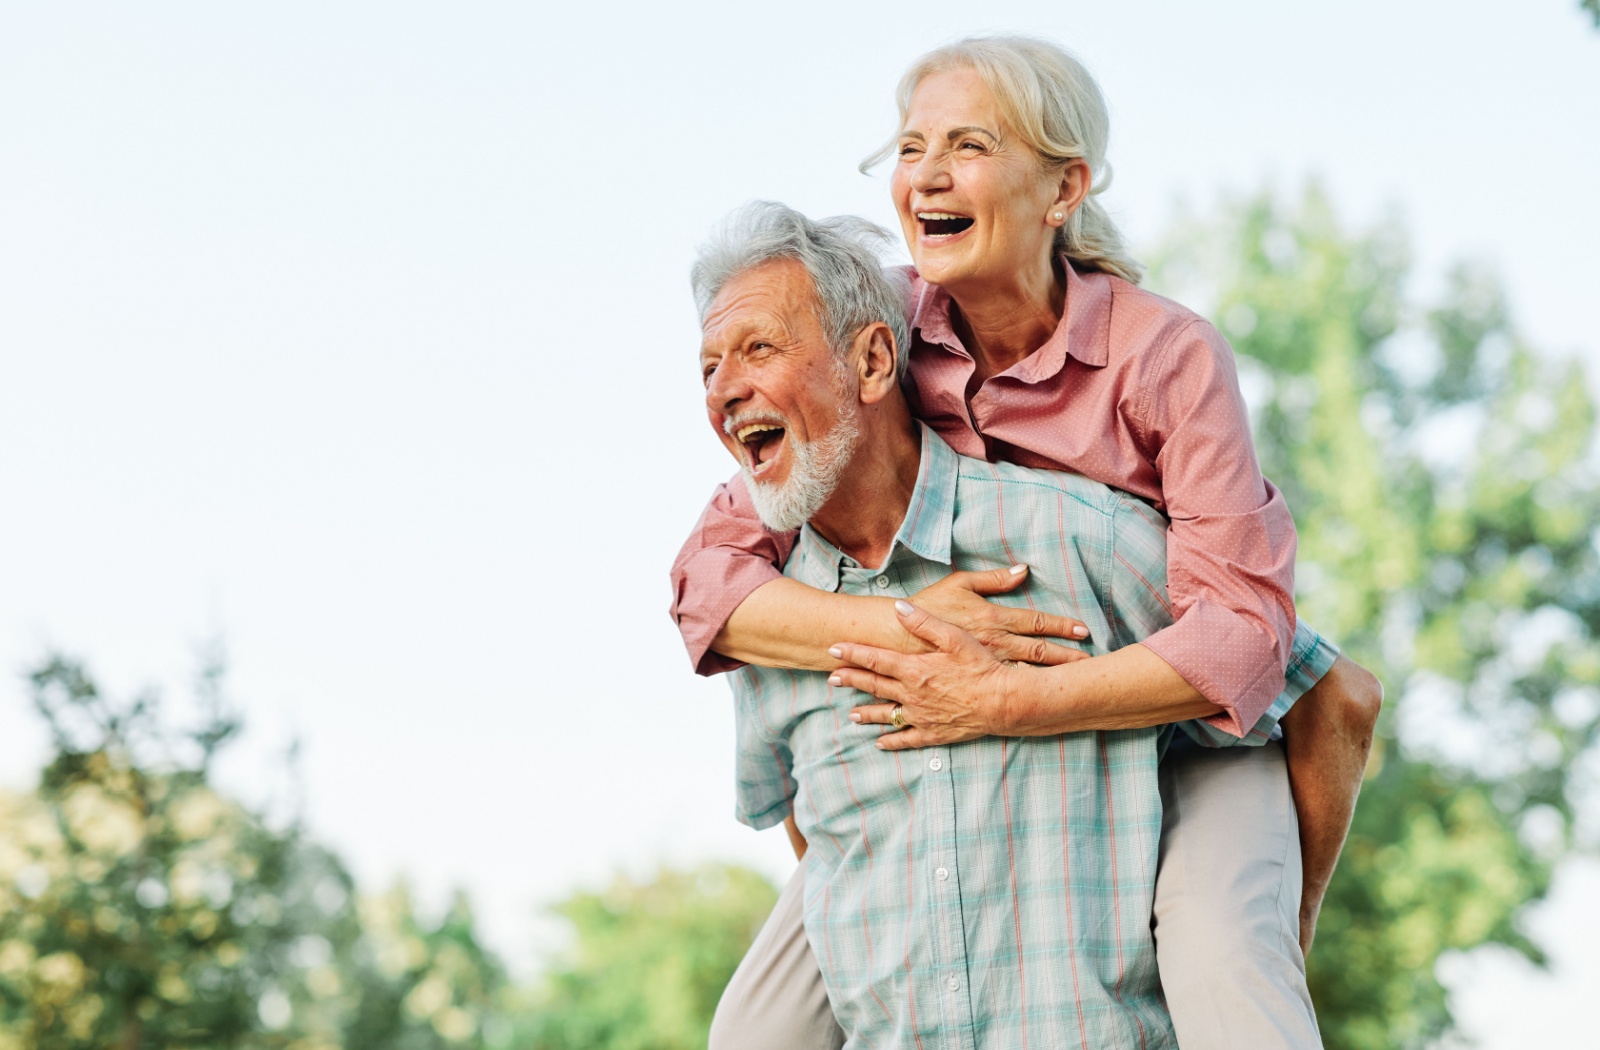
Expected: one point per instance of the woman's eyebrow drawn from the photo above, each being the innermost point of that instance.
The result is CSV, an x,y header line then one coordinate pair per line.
x,y
956,133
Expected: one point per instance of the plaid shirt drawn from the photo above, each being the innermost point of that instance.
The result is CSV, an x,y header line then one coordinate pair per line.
x,y
997,893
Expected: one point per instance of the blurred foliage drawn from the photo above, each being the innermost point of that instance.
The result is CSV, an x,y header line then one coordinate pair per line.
x,y
141,908
649,961
1593,7
1441,474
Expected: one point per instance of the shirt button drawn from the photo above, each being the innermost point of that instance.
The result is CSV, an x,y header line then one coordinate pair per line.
x,y
936,763
953,984
943,874
882,581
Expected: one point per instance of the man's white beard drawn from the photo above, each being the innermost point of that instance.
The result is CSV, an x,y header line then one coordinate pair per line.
x,y
814,473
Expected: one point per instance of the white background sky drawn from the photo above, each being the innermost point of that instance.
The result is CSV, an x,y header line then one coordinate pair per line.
x,y
360,333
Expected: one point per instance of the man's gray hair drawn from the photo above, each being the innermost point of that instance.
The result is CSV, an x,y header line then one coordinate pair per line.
x,y
841,254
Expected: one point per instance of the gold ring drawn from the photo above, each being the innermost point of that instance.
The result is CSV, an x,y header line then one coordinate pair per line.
x,y
897,717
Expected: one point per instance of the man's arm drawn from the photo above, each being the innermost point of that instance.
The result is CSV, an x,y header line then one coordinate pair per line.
x,y
797,840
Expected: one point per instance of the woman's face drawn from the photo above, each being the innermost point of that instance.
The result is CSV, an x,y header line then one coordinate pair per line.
x,y
975,204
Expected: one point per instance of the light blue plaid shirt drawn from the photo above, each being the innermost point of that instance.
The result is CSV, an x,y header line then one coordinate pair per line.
x,y
994,894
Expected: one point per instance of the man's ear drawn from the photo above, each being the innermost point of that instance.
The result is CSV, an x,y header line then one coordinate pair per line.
x,y
875,359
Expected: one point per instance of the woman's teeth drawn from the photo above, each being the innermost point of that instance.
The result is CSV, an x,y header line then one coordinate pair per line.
x,y
943,223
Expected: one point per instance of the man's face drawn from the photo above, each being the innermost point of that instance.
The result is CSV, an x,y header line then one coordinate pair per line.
x,y
775,393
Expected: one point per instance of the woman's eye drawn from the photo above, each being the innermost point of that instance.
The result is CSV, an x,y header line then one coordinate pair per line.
x,y
972,146
906,151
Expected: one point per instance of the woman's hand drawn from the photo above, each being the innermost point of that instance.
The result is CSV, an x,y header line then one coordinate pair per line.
x,y
958,691
1010,634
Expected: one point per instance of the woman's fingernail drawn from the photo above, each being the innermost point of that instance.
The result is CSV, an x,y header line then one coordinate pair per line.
x,y
855,716
1080,631
1018,570
834,679
904,608
836,652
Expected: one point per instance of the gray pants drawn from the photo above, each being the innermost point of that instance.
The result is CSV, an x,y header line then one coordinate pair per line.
x,y
1226,923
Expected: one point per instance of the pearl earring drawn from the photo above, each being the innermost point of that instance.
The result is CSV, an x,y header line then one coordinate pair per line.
x,y
1059,216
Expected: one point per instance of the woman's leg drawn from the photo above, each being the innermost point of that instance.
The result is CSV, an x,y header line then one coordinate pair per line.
x,y
775,1000
1227,907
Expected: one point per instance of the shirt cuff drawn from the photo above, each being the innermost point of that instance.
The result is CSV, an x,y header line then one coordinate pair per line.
x,y
723,579
771,816
1229,660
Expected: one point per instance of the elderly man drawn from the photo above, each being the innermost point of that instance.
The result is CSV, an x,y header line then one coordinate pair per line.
x,y
995,893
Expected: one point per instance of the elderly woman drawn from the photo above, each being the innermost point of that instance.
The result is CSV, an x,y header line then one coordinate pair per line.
x,y
1032,342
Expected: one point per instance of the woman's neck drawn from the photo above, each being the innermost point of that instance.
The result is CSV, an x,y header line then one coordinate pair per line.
x,y
1002,323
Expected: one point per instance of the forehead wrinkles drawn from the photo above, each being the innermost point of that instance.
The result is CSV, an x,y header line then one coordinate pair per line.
x,y
763,302
726,329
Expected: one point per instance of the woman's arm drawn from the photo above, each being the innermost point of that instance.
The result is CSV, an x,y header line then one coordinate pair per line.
x,y
788,624
733,606
1231,540
959,691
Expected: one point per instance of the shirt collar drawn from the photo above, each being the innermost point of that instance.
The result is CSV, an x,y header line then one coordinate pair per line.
x,y
1084,332
925,531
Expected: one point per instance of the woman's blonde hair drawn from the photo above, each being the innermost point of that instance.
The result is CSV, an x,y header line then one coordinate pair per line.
x,y
1050,101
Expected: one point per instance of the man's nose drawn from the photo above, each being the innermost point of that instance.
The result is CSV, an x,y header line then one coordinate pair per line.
x,y
726,388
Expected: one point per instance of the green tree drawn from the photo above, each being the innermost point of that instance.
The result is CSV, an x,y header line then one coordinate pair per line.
x,y
1593,7
141,908
1441,475
648,961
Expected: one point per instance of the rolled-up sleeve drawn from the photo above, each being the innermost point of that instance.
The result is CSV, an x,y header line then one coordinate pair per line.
x,y
1310,659
728,555
1231,545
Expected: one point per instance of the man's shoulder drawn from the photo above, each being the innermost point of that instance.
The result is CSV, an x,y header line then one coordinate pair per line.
x,y
1035,497
977,477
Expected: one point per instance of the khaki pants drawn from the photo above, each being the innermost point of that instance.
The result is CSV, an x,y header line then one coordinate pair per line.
x,y
1226,923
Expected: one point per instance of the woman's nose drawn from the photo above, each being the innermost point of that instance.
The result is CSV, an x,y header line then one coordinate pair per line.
x,y
929,173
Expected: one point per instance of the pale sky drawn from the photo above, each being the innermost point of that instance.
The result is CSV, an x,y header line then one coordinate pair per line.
x,y
360,333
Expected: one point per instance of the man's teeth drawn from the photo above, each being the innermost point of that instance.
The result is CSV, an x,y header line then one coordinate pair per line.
x,y
745,433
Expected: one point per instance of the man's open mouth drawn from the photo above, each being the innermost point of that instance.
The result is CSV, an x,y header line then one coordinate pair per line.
x,y
762,443
943,223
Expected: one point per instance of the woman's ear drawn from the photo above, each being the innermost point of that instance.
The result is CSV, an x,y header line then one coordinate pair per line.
x,y
875,356
1073,187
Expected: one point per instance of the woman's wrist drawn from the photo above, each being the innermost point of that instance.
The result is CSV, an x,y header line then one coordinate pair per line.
x,y
1028,701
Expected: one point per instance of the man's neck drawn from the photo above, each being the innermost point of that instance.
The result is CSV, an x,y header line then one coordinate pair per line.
x,y
865,512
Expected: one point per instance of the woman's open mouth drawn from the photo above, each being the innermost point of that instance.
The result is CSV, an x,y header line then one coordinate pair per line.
x,y
762,442
943,223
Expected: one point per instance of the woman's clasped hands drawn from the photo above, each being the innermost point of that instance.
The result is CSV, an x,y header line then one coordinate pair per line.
x,y
961,676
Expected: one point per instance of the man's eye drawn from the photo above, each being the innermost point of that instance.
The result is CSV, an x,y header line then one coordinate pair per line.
x,y
705,373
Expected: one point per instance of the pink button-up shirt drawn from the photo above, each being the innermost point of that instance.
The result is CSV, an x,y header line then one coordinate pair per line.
x,y
1132,390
